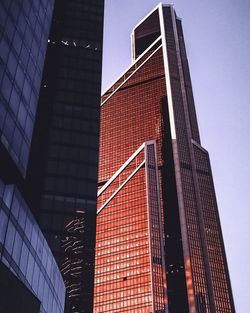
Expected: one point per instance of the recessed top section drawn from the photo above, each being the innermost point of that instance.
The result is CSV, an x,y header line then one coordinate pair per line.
x,y
146,33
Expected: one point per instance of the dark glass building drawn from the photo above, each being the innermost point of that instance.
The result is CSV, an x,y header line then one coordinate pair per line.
x,y
62,171
30,280
159,242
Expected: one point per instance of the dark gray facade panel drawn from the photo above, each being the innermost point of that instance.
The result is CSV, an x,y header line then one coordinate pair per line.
x,y
25,301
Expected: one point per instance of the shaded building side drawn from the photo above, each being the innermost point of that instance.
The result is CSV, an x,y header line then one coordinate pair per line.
x,y
62,171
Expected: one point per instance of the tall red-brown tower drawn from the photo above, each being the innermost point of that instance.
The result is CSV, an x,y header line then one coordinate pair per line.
x,y
159,242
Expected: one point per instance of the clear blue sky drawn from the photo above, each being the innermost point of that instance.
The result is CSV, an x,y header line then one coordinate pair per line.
x,y
217,36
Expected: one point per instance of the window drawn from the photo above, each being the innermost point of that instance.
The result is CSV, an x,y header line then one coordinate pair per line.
x,y
3,225
10,237
17,248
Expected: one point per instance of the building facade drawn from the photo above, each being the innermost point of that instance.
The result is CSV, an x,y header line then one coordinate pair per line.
x,y
159,242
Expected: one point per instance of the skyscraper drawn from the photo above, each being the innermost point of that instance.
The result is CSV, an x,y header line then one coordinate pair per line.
x,y
159,242
30,280
62,172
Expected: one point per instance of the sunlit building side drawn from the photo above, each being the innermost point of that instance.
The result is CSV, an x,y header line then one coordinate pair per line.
x,y
153,101
130,257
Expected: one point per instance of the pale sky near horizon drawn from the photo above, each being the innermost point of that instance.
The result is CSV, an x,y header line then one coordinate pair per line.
x,y
217,36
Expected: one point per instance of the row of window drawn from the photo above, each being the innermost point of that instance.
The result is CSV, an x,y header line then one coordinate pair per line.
x,y
70,186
